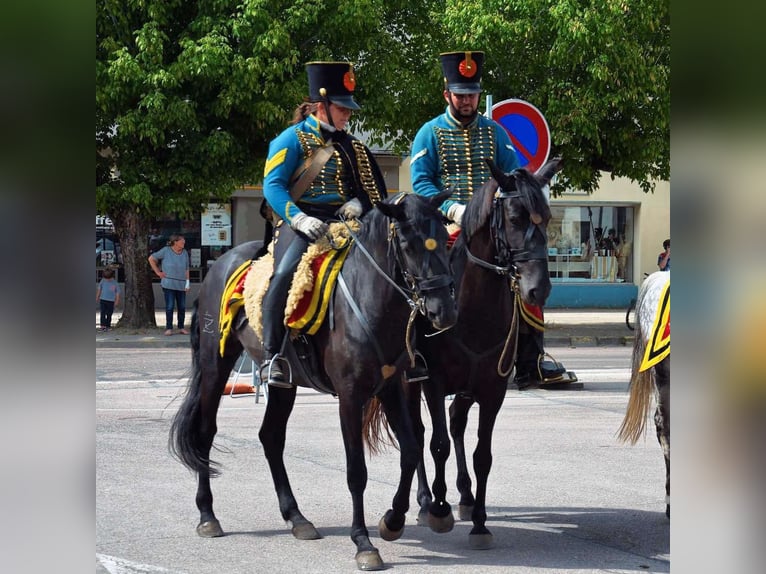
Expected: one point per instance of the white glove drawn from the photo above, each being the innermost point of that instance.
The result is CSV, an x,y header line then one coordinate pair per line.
x,y
351,209
311,227
455,212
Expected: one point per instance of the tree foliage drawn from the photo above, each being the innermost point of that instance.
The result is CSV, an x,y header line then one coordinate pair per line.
x,y
599,70
189,94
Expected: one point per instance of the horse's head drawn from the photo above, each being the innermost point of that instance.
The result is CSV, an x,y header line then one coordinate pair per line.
x,y
420,240
519,212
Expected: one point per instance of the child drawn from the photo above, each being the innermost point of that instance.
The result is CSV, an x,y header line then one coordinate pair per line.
x,y
108,295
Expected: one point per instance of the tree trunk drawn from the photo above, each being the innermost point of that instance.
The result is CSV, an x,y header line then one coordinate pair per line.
x,y
138,308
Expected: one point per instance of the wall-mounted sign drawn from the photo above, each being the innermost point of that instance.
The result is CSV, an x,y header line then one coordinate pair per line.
x,y
216,224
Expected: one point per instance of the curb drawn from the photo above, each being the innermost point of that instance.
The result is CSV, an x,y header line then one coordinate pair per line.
x,y
147,343
183,342
589,341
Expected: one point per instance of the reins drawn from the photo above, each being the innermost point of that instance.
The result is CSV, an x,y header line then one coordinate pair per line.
x,y
506,258
417,286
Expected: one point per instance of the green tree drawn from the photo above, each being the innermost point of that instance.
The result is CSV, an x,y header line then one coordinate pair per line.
x,y
599,70
188,94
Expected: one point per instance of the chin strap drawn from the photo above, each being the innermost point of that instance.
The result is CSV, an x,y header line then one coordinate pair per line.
x,y
326,104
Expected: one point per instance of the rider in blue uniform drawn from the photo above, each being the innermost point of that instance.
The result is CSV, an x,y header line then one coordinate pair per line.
x,y
450,150
348,183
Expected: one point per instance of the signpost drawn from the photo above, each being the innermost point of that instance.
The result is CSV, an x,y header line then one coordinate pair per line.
x,y
528,129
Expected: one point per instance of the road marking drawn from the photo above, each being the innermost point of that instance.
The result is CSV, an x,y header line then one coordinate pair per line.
x,y
117,565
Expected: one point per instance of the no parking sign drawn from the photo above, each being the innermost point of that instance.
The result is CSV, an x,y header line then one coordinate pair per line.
x,y
528,129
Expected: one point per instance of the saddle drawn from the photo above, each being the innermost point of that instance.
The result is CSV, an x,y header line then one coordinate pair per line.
x,y
307,302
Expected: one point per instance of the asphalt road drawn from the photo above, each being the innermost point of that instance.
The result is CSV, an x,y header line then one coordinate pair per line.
x,y
563,495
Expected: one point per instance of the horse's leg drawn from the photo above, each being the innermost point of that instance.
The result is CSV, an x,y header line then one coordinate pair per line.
x,y
458,421
412,398
662,421
489,405
391,525
440,517
272,436
350,407
214,372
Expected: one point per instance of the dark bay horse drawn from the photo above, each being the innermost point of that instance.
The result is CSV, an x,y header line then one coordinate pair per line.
x,y
652,382
499,258
398,264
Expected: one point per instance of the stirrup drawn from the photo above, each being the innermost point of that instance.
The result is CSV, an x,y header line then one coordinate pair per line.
x,y
418,373
278,381
553,372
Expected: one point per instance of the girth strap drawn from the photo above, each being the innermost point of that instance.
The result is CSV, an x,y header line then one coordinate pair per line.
x,y
358,312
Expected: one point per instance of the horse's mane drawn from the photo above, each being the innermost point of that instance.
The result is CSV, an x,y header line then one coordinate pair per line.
x,y
374,227
375,223
478,210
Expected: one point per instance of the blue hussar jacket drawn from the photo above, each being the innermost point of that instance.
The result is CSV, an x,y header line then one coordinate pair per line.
x,y
444,153
350,172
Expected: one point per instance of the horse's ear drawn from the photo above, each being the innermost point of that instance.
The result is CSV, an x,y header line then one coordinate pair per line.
x,y
500,176
392,209
440,198
551,168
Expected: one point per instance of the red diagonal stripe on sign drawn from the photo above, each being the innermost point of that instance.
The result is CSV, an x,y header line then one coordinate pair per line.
x,y
520,147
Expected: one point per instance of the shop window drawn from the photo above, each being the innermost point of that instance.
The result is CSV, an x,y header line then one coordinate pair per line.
x,y
200,256
591,243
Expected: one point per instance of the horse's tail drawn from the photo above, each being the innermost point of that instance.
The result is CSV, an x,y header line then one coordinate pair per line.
x,y
641,392
184,442
376,432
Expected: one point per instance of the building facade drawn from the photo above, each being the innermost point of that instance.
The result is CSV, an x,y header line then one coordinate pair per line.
x,y
600,245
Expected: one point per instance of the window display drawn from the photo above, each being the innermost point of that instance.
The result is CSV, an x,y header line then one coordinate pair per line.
x,y
590,243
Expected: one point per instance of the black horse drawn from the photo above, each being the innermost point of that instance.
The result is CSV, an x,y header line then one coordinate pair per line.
x,y
651,382
499,260
397,265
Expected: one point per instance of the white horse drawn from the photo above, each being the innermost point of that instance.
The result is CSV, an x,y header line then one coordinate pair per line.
x,y
650,374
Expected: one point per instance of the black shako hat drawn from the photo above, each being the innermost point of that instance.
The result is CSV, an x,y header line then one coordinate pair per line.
x,y
462,71
332,80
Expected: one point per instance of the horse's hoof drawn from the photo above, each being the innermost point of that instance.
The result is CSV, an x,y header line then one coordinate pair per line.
x,y
464,512
481,541
386,533
441,525
422,519
210,529
369,560
305,531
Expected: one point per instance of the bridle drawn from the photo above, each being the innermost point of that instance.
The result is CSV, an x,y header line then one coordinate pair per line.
x,y
416,287
420,285
506,258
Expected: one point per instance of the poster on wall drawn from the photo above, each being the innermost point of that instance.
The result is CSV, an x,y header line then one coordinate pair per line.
x,y
216,224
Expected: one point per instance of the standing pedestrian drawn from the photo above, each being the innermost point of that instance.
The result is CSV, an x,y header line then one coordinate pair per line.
x,y
663,259
451,150
174,275
108,297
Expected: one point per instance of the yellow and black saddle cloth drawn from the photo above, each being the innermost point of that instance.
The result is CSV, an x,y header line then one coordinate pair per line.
x,y
309,294
314,281
658,344
232,301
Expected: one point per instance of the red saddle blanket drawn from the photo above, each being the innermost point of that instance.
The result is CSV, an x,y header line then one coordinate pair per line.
x,y
311,309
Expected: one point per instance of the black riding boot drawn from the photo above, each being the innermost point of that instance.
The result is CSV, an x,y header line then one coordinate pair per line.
x,y
531,369
273,333
288,251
